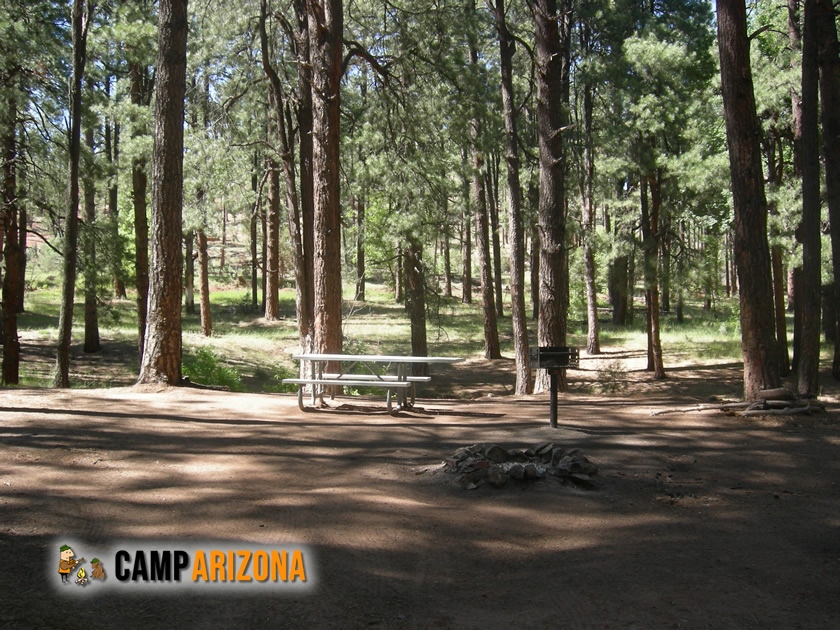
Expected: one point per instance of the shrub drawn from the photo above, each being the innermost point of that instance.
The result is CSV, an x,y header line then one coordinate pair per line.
x,y
205,367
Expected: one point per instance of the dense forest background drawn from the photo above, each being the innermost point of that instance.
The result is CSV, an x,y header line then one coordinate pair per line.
x,y
558,156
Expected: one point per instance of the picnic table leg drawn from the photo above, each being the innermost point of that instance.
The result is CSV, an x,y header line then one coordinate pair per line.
x,y
402,375
300,398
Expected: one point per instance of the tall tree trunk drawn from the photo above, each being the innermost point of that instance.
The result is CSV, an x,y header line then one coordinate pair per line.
x,y
829,62
415,299
306,220
650,246
795,43
253,234
752,253
139,181
326,40
204,284
809,363
593,342
519,315
360,248
466,244
22,233
161,361
482,223
617,282
272,283
10,243
534,264
552,51
112,152
189,272
447,262
299,208
399,276
79,23
92,343
493,207
774,180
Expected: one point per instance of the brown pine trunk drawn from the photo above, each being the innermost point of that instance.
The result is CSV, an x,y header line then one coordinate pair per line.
x,y
398,275
112,151
255,264
415,300
325,21
204,284
482,230
493,207
272,273
552,52
534,264
617,281
92,343
299,208
360,249
593,343
829,62
650,245
189,272
752,253
139,181
61,378
306,220
466,245
447,262
517,239
161,361
809,362
10,245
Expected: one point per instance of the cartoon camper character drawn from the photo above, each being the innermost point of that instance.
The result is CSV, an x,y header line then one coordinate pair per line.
x,y
98,570
67,563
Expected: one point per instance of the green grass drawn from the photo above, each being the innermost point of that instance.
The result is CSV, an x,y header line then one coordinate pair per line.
x,y
248,353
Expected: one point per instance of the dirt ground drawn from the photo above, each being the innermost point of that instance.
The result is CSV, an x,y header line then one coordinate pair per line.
x,y
697,520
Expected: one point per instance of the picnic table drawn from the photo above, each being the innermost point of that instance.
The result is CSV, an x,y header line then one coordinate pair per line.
x,y
315,374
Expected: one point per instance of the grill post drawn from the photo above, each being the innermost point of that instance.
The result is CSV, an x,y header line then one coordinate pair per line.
x,y
554,379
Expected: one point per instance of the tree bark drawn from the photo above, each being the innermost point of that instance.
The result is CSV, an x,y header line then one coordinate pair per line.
x,y
272,282
650,246
189,272
360,248
617,281
829,63
809,363
493,207
140,96
519,315
752,253
161,361
326,40
204,284
299,208
552,50
10,242
112,152
92,342
415,300
593,342
466,244
79,21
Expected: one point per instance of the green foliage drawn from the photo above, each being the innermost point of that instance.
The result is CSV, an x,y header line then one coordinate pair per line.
x,y
205,366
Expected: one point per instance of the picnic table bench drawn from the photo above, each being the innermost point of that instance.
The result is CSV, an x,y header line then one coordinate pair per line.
x,y
318,378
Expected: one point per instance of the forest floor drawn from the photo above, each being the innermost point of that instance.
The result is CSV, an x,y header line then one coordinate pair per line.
x,y
696,520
